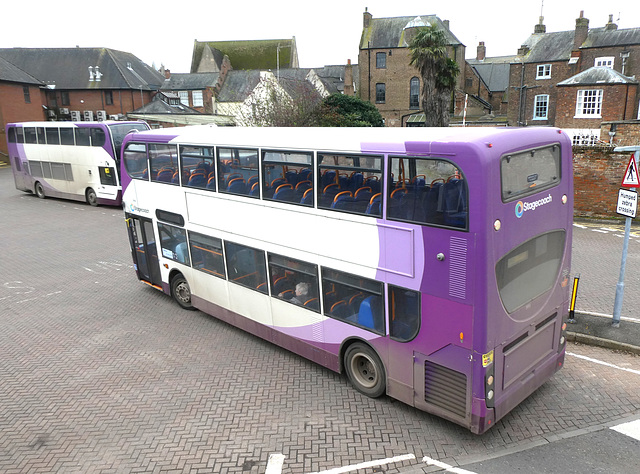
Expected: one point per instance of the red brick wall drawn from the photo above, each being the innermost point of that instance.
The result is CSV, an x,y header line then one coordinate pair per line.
x,y
598,173
14,109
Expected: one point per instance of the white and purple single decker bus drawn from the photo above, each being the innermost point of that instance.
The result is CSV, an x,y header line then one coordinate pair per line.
x,y
431,265
70,160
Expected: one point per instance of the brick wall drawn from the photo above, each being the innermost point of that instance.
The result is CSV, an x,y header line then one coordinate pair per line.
x,y
13,108
598,172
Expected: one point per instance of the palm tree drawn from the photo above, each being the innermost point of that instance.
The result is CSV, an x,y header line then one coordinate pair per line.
x,y
439,72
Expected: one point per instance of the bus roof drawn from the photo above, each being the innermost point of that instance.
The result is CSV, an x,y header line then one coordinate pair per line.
x,y
346,139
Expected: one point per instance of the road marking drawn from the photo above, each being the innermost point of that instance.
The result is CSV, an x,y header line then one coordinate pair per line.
x,y
276,461
364,465
607,364
631,429
446,467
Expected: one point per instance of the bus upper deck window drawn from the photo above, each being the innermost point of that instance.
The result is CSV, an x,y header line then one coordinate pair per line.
x,y
97,137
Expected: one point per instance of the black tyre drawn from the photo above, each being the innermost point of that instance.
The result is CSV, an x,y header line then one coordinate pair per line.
x,y
39,190
181,292
365,370
92,197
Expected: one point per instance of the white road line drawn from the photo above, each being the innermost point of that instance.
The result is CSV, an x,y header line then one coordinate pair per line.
x,y
607,364
608,229
276,461
601,231
631,429
364,465
580,226
446,467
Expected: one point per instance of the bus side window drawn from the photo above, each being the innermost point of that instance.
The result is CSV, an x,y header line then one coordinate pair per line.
x,y
404,313
294,281
246,266
83,136
427,191
349,183
53,136
30,135
206,254
98,137
173,242
353,299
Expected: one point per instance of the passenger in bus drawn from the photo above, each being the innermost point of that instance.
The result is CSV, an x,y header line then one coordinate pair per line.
x,y
302,290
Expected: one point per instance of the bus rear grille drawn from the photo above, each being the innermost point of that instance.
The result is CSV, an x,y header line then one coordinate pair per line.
x,y
445,388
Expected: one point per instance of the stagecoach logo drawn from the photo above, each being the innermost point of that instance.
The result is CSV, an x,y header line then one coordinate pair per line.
x,y
133,208
521,207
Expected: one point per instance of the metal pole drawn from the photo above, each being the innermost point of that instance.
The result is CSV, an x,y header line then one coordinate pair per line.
x,y
617,306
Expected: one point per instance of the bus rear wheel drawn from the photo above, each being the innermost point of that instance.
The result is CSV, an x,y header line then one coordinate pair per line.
x,y
365,370
39,190
181,291
92,197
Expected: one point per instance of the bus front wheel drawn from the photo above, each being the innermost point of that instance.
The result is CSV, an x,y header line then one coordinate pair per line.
x,y
92,197
365,370
181,292
39,190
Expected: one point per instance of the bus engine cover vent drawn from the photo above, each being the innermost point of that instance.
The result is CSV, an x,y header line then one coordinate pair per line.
x,y
458,268
445,388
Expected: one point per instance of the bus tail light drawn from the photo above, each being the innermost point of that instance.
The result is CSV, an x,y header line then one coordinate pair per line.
x,y
489,387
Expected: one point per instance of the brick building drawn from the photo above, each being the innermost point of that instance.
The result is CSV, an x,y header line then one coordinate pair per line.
x,y
22,99
559,78
86,83
387,79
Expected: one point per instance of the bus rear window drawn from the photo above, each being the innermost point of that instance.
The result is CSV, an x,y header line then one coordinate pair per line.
x,y
528,172
530,269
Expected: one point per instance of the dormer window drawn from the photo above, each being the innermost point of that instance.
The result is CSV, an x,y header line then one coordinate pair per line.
x,y
543,71
605,61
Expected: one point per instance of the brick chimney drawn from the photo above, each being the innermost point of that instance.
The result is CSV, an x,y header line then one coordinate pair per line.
x,y
481,51
366,20
540,27
348,79
611,26
582,30
167,73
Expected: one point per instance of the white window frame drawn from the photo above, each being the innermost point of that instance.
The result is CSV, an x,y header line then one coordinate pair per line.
x,y
541,102
605,61
589,103
543,71
198,100
184,97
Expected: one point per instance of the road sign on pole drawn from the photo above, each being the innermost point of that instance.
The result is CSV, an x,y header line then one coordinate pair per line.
x,y
631,179
627,203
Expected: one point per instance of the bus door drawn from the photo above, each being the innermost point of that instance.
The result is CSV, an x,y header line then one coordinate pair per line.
x,y
144,250
21,174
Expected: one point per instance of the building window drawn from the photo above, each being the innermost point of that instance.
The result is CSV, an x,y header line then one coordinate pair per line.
x,y
27,94
541,107
544,71
381,60
381,93
414,93
589,103
108,97
64,97
606,61
197,99
184,97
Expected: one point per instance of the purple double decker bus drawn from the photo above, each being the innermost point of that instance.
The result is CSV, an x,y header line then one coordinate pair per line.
x,y
431,265
70,160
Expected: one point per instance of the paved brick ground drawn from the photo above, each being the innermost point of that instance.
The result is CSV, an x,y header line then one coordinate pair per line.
x,y
100,373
